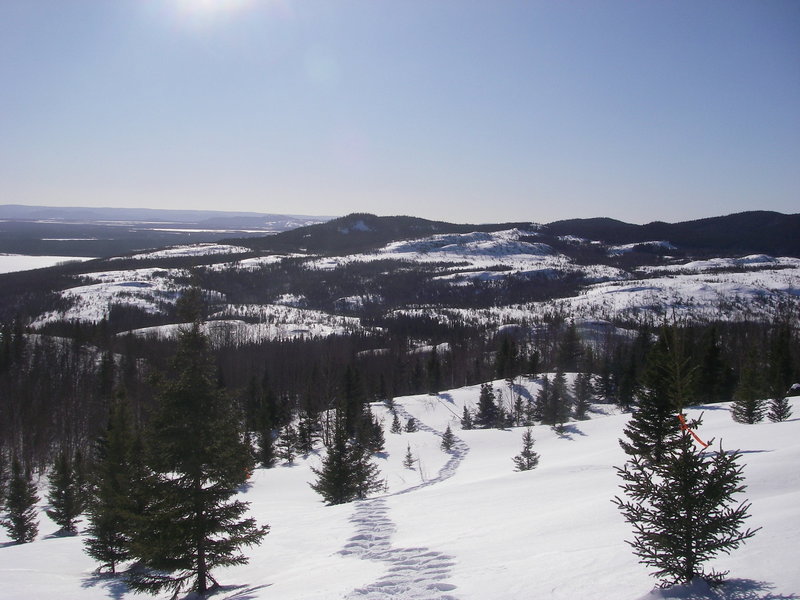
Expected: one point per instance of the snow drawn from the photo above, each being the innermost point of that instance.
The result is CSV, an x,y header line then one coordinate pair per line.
x,y
147,289
11,263
626,248
465,525
235,325
188,250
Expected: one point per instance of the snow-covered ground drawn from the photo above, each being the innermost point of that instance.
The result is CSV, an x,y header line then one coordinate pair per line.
x,y
465,525
11,263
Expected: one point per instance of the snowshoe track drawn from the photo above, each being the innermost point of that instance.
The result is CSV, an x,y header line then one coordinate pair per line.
x,y
414,573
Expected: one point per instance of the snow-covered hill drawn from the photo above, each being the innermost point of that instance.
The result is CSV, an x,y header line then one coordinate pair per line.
x,y
465,525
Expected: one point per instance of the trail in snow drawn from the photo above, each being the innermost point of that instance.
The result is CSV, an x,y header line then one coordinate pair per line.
x,y
414,573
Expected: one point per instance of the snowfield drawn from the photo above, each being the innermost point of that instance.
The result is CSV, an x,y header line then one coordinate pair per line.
x,y
465,526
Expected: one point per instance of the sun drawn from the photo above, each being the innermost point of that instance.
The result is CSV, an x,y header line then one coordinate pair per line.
x,y
212,7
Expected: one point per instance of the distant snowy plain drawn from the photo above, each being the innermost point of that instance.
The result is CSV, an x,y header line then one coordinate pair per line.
x,y
464,525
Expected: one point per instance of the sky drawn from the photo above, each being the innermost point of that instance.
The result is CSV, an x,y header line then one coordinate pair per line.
x,y
456,110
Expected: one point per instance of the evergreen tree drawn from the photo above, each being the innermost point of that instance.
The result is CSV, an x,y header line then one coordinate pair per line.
x,y
266,453
307,431
408,460
583,395
396,426
570,350
116,501
434,374
287,444
748,403
20,521
4,477
542,400
558,406
779,410
506,359
528,458
534,363
667,381
681,509
65,494
198,457
466,419
487,415
448,439
347,473
377,441
411,425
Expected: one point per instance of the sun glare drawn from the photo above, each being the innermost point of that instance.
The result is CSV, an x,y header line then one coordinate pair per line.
x,y
212,7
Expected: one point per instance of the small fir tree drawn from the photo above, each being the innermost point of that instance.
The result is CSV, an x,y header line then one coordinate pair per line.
x,y
411,425
396,426
466,419
682,509
266,453
66,498
408,460
20,521
287,444
377,441
748,403
583,395
448,439
528,458
307,432
347,473
487,415
779,410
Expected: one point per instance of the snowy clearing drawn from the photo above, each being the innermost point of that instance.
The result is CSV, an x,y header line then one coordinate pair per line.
x,y
465,526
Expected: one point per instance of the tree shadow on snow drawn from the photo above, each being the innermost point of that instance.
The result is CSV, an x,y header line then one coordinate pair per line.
x,y
113,583
239,592
567,432
749,589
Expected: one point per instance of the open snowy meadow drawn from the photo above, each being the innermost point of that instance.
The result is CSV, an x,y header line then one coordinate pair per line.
x,y
464,525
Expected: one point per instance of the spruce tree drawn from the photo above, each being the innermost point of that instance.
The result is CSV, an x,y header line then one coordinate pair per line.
x,y
347,472
448,439
748,403
198,458
20,520
66,494
408,460
583,395
287,444
665,391
487,415
779,410
528,458
683,510
117,499
377,441
307,431
466,419
265,452
396,426
411,425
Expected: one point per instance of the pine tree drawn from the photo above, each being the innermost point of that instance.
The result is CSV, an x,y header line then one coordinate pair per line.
x,y
681,509
408,460
487,415
748,403
116,501
307,431
779,410
347,472
20,520
527,459
66,494
396,426
411,425
448,439
466,419
377,441
198,457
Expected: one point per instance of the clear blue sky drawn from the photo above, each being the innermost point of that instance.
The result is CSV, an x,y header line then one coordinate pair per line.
x,y
448,109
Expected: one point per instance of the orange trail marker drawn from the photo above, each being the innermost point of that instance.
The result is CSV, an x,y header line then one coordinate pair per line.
x,y
685,427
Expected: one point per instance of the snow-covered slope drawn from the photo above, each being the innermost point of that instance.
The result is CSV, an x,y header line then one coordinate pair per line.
x,y
465,525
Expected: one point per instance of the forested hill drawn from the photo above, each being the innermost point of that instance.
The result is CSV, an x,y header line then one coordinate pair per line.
x,y
754,232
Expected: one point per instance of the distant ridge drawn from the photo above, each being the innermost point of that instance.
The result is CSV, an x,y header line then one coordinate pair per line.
x,y
752,232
